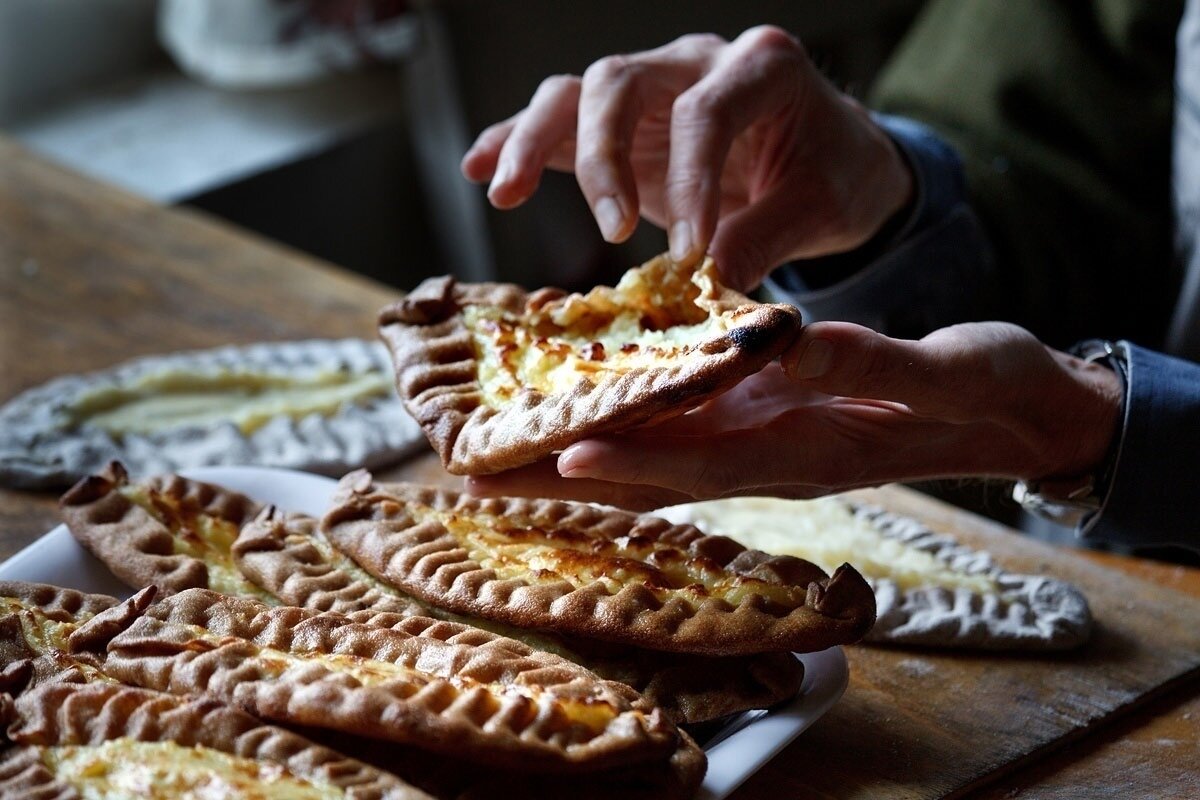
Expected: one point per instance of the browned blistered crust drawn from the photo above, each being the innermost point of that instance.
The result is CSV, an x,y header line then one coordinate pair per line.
x,y
62,714
379,526
437,374
137,547
277,552
163,650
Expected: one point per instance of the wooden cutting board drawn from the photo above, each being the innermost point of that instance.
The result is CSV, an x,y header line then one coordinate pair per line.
x,y
928,724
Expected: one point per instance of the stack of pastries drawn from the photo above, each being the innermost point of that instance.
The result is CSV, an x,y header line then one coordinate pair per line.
x,y
454,647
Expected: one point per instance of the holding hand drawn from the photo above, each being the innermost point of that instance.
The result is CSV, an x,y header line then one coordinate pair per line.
x,y
850,408
741,149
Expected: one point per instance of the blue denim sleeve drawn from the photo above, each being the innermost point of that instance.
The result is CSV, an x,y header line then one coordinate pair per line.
x,y
937,270
1152,492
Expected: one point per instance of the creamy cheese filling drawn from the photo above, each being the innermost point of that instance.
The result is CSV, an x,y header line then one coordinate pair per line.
x,y
127,769
525,551
655,316
201,536
827,533
513,357
172,400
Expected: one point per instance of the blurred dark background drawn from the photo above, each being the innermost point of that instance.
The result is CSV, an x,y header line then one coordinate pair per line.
x,y
209,103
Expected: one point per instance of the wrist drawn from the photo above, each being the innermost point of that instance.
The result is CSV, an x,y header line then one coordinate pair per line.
x,y
1089,419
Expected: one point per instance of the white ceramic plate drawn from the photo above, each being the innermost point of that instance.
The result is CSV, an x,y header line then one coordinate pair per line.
x,y
734,753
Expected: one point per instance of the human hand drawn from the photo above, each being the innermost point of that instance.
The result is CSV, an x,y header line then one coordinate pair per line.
x,y
739,148
849,408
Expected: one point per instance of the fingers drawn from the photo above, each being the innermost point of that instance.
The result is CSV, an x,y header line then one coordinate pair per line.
x,y
617,92
537,132
757,75
479,162
542,480
959,373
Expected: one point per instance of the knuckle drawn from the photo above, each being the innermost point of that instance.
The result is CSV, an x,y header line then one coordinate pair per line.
x,y
698,42
610,69
556,85
702,106
774,40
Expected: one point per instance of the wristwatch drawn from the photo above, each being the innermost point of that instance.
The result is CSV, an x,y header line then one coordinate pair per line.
x,y
1071,501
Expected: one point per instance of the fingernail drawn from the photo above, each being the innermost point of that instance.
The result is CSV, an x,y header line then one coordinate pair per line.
x,y
681,240
571,463
504,172
815,361
609,216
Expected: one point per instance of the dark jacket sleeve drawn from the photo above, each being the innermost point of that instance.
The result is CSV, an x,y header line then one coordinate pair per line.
x,y
1151,494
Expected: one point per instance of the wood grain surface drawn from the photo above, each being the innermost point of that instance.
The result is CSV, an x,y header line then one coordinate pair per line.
x,y
90,276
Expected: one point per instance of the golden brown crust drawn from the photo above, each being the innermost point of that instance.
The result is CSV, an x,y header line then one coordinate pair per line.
x,y
389,531
90,715
437,373
288,557
198,642
140,548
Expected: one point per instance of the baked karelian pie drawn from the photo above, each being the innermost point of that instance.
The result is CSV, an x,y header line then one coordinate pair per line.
x,y
481,702
180,534
49,634
108,741
499,377
581,570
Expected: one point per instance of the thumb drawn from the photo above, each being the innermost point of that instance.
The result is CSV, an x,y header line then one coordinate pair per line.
x,y
753,240
950,373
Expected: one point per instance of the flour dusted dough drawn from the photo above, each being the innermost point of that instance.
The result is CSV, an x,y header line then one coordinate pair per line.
x,y
317,405
929,589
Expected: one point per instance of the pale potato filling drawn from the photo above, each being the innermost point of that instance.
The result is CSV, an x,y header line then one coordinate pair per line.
x,y
170,399
657,314
127,769
825,532
592,716
201,536
517,550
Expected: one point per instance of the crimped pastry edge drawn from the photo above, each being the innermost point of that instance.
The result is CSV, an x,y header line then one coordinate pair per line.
x,y
426,561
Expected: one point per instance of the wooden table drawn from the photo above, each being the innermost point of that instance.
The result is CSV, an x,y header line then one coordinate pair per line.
x,y
90,276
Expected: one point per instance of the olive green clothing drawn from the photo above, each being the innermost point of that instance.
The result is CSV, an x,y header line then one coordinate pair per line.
x,y
1062,114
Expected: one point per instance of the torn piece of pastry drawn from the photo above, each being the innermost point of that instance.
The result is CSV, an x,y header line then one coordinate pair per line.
x,y
287,555
50,634
110,741
499,377
601,573
929,589
480,701
323,406
166,530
